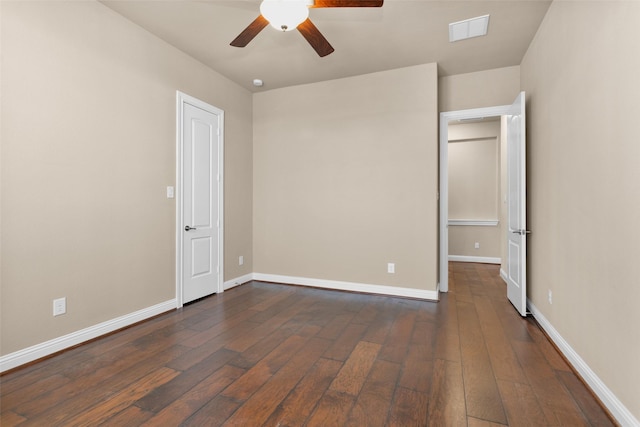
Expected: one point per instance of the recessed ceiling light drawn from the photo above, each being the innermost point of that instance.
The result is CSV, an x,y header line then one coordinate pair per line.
x,y
469,28
258,82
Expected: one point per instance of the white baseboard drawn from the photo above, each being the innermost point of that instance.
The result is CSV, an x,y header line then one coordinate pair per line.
x,y
237,281
503,274
349,286
47,348
479,259
617,409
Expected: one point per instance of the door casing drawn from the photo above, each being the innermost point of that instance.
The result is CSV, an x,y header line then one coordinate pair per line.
x,y
181,99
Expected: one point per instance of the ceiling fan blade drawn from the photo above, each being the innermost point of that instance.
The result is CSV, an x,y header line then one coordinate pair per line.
x,y
315,38
250,32
348,3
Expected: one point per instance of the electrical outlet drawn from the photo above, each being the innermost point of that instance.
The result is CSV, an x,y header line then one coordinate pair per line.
x,y
241,260
59,306
476,245
550,297
391,268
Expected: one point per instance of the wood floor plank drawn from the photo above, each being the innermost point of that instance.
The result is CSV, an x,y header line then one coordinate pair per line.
x,y
198,354
276,298
397,342
521,404
295,409
447,345
555,401
194,399
332,410
248,339
515,331
583,397
10,419
74,396
504,361
122,399
555,360
356,369
372,405
481,390
257,409
424,333
248,358
214,413
367,314
475,422
409,408
255,377
446,402
222,327
33,391
225,315
417,368
113,341
172,390
131,416
116,360
345,343
335,327
378,330
24,377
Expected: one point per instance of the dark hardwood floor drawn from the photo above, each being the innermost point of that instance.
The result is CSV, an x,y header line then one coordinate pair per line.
x,y
276,355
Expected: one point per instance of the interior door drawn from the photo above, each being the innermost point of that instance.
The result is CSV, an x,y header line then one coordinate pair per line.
x,y
517,207
200,216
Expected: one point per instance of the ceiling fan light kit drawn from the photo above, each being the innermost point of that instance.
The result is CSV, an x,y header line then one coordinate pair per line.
x,y
285,15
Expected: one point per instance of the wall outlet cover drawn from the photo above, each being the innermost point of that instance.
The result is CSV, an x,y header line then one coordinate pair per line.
x,y
59,306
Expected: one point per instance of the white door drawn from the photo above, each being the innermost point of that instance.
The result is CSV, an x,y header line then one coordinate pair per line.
x,y
517,207
200,224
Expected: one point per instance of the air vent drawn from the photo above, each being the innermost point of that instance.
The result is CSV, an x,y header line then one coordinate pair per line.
x,y
469,28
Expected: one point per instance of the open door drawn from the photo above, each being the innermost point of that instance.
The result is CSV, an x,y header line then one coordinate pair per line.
x,y
517,207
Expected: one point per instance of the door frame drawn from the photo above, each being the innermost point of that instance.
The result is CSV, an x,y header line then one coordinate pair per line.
x,y
181,100
445,118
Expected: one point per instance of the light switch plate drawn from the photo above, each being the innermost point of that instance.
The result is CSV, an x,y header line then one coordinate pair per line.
x,y
170,192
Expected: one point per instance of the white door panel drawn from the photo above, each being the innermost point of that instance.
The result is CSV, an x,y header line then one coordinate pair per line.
x,y
517,207
200,227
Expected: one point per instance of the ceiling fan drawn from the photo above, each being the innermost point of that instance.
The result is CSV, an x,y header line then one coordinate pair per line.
x,y
286,15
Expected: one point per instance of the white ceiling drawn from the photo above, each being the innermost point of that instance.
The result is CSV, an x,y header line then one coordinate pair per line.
x,y
399,34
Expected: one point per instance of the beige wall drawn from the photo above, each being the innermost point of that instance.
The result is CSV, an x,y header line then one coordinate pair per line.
x,y
345,179
88,147
474,187
581,76
481,89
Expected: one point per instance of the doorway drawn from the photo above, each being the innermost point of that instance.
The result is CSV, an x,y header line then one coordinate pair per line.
x,y
199,201
515,229
476,190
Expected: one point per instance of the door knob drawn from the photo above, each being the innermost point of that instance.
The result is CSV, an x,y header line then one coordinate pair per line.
x,y
187,228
